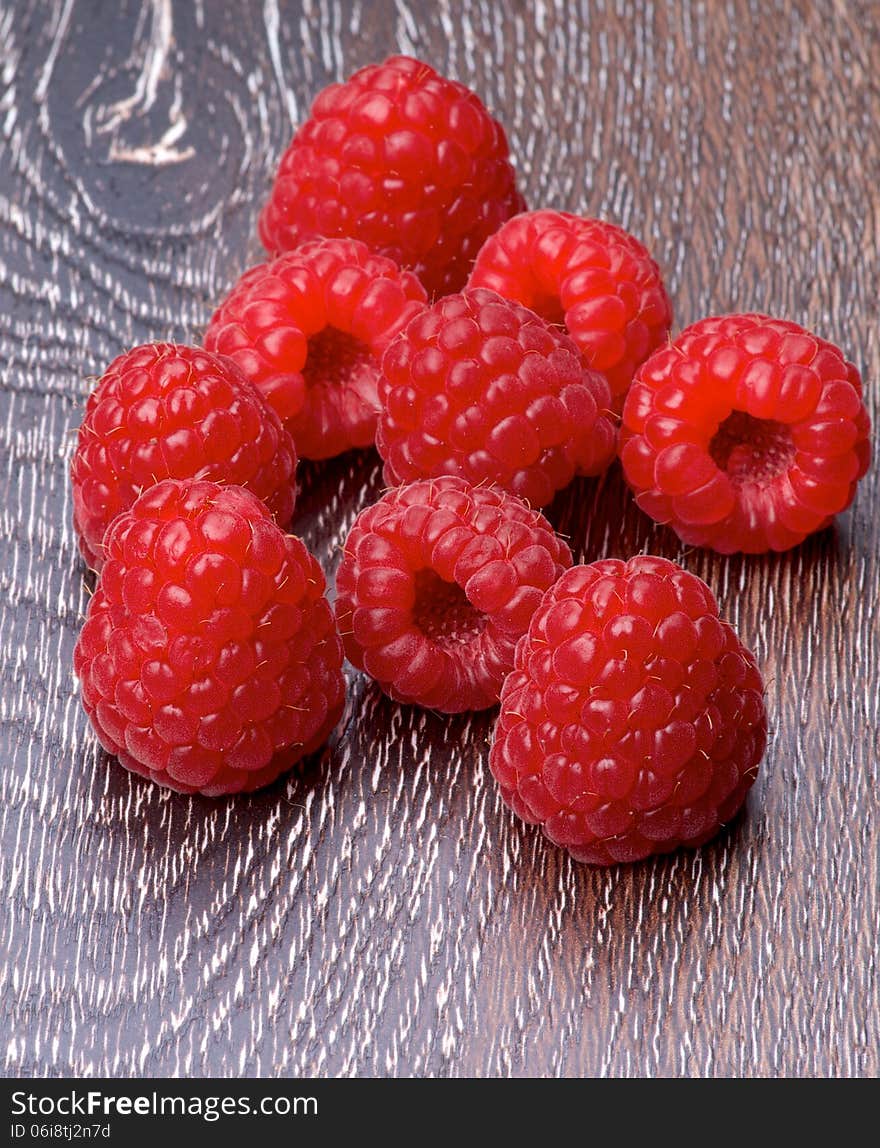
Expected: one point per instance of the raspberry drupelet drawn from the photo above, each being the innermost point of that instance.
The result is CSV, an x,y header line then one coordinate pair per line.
x,y
438,582
209,660
163,410
634,721
591,277
309,330
483,388
746,434
403,159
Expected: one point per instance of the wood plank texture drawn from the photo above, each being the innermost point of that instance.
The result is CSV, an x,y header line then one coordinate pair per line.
x,y
380,913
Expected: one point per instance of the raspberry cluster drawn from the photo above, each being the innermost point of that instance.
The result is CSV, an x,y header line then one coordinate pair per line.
x,y
490,354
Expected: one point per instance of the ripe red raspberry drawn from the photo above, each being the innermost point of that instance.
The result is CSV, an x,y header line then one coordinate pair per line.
x,y
591,277
481,387
438,581
404,159
309,330
747,433
209,660
634,721
168,411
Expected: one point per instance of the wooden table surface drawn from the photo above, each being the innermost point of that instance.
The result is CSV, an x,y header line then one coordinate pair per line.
x,y
381,913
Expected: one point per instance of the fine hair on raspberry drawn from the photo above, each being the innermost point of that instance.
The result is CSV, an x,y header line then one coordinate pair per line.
x,y
209,660
164,410
407,161
481,387
309,330
634,720
747,433
591,277
438,581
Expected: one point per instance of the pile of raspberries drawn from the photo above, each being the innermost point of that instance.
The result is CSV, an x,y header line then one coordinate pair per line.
x,y
491,354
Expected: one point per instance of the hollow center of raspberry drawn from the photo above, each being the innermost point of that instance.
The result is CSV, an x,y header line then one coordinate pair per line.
x,y
549,308
334,357
752,450
442,611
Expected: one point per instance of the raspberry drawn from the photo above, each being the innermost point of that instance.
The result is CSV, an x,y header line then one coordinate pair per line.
x,y
209,660
168,411
591,277
745,434
403,159
309,330
634,721
437,583
481,387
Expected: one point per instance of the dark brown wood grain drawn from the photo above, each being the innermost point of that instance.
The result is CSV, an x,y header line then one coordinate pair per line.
x,y
379,912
